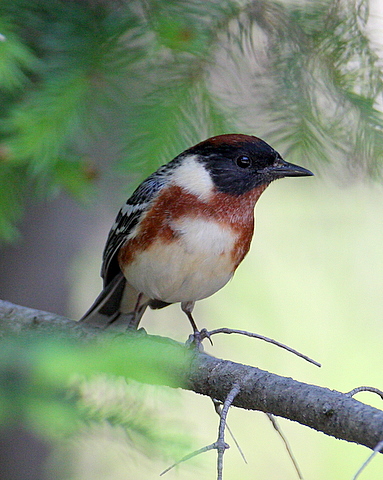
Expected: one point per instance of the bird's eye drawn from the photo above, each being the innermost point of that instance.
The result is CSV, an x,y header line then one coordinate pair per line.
x,y
243,161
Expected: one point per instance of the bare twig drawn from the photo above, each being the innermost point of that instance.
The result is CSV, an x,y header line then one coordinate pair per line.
x,y
189,456
207,334
379,446
377,449
217,407
356,390
221,445
288,448
307,404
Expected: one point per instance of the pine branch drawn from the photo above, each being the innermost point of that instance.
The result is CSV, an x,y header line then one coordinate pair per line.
x,y
331,412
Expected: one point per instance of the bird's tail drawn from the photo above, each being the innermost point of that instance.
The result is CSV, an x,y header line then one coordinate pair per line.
x,y
117,304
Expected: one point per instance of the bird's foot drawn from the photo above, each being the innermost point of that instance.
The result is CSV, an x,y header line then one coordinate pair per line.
x,y
195,339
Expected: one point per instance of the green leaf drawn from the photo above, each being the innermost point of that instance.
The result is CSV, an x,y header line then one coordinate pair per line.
x,y
76,176
46,122
16,58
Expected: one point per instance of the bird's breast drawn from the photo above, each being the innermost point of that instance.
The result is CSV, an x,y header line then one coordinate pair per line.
x,y
194,265
186,249
203,236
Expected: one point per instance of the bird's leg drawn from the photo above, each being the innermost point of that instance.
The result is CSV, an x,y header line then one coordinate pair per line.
x,y
198,335
187,308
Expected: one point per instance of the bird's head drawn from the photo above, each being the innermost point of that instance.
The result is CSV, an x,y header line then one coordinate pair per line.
x,y
238,163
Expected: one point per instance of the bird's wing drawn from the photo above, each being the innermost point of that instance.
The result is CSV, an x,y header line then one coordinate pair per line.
x,y
127,218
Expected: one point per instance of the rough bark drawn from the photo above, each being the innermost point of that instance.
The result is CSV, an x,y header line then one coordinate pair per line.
x,y
331,412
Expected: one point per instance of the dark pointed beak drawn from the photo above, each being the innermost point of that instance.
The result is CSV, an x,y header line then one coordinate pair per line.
x,y
284,169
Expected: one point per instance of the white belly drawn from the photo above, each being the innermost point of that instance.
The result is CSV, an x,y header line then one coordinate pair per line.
x,y
194,266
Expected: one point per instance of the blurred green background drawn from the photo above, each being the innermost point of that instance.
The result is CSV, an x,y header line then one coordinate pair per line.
x,y
95,95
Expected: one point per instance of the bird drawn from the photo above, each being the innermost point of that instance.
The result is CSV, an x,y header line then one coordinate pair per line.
x,y
183,232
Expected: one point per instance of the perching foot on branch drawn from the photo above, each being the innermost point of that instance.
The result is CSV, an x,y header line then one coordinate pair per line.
x,y
195,339
198,337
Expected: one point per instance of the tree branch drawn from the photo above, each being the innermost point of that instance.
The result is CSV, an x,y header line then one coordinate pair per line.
x,y
331,412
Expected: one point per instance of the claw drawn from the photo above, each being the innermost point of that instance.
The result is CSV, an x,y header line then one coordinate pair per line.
x,y
204,333
195,341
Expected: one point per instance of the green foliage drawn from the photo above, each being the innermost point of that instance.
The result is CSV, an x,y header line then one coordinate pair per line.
x,y
151,78
125,404
54,384
15,56
140,81
327,82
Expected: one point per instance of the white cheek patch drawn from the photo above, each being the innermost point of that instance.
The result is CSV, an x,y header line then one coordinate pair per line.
x,y
193,177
